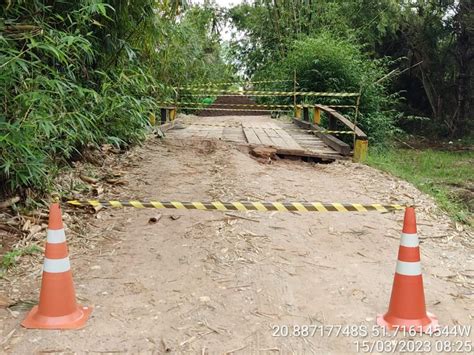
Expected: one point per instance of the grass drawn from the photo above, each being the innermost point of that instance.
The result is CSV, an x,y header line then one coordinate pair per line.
x,y
11,258
448,176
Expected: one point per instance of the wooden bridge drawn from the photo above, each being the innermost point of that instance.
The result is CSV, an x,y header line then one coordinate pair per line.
x,y
244,122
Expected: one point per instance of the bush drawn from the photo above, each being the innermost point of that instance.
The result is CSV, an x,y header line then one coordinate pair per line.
x,y
50,114
325,63
83,73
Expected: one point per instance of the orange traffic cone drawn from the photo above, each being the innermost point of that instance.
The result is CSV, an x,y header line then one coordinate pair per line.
x,y
57,307
407,308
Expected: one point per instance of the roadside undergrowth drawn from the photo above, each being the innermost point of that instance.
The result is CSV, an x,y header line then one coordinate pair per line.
x,y
445,175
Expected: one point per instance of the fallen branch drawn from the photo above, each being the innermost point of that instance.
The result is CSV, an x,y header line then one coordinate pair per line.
x,y
405,143
235,350
88,179
9,335
242,217
10,229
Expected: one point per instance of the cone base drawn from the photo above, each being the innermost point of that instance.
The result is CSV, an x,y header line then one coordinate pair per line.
x,y
75,320
429,323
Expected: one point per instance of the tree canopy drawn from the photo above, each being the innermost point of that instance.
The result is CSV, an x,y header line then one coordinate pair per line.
x,y
83,73
88,72
430,45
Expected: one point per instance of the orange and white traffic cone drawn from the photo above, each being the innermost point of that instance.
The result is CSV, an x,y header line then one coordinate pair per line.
x,y
57,307
407,309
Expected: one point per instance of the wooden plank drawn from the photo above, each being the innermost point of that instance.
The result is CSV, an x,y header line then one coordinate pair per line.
x,y
331,141
251,136
335,143
289,140
313,142
234,135
276,139
316,148
262,135
270,131
342,119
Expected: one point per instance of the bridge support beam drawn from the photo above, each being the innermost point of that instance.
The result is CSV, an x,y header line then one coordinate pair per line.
x,y
306,113
332,123
163,114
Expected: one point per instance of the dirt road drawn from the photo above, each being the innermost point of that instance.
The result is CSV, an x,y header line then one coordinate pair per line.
x,y
207,282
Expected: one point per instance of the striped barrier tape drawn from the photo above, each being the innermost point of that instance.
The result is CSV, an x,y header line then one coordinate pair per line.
x,y
242,206
278,93
235,82
332,106
231,109
236,105
178,104
274,128
228,95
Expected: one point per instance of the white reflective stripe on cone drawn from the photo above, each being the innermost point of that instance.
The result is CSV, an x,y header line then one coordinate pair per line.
x,y
408,268
56,236
56,265
409,240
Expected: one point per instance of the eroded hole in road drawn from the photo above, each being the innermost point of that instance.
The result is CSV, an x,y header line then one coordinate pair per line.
x,y
267,154
305,159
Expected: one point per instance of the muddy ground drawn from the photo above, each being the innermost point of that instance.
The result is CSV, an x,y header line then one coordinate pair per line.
x,y
210,282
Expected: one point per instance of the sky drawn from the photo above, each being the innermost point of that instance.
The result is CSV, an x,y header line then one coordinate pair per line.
x,y
224,3
226,31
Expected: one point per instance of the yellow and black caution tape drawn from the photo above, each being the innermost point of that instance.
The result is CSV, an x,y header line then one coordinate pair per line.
x,y
275,128
242,206
235,83
276,93
203,105
232,109
228,95
317,105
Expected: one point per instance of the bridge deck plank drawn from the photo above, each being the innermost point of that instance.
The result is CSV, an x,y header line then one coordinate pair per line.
x,y
259,130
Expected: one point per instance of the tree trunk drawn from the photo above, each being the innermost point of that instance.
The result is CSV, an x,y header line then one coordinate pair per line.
x,y
465,56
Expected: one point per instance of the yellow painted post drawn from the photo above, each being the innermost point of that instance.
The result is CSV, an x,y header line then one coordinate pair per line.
x,y
317,116
152,118
298,111
294,88
172,113
360,150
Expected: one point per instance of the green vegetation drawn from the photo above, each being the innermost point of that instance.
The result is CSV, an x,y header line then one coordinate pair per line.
x,y
412,61
445,175
207,100
77,74
11,258
421,50
324,63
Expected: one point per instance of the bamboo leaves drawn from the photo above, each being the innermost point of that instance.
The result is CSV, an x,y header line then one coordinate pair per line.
x,y
83,73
